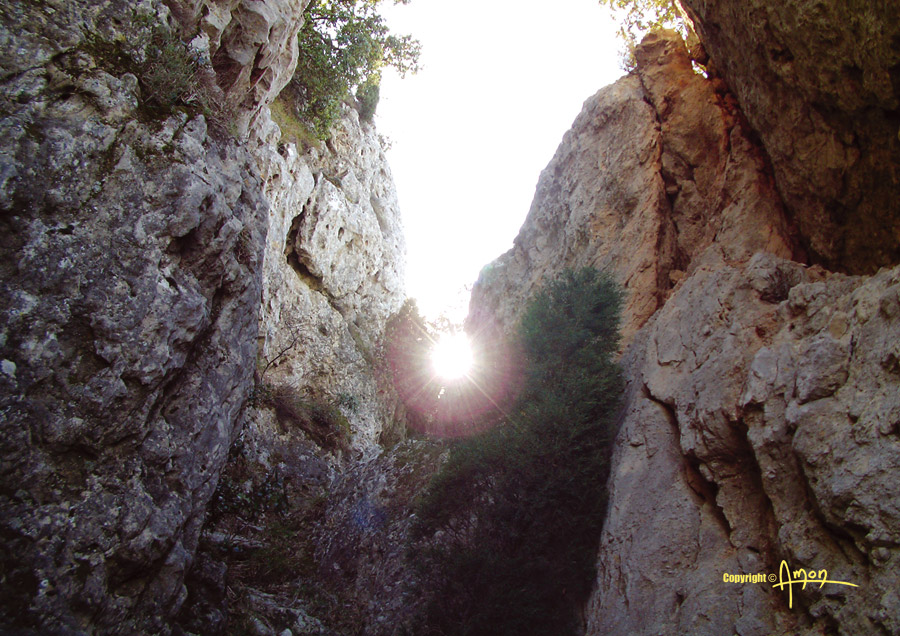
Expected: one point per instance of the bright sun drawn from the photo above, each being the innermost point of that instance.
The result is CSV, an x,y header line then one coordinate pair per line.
x,y
452,356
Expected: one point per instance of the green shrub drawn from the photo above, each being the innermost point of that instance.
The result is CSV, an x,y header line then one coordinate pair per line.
x,y
169,73
344,44
368,95
520,507
169,77
640,16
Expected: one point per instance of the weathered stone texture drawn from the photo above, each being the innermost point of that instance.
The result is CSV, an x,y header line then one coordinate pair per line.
x,y
657,177
760,420
362,544
252,48
131,258
333,270
133,255
819,81
770,431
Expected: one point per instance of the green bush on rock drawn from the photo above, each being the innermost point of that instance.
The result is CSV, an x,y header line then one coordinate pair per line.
x,y
344,44
319,418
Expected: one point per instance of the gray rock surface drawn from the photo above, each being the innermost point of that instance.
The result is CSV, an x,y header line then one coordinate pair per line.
x,y
333,550
132,249
138,178
756,432
819,81
134,253
330,557
362,545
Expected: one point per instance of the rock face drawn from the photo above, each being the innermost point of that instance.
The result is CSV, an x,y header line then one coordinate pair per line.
x,y
819,81
657,177
333,270
134,254
760,427
251,45
302,542
320,527
132,262
362,544
760,419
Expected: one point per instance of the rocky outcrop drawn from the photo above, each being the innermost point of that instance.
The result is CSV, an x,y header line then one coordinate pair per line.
x,y
657,177
819,81
308,524
362,543
132,258
251,46
333,271
306,544
140,174
759,422
760,427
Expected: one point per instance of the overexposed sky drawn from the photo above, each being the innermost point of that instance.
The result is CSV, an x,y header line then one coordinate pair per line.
x,y
502,81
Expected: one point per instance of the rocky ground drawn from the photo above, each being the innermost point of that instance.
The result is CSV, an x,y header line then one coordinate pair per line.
x,y
302,540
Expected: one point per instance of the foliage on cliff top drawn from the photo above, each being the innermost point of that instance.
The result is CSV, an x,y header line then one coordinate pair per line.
x,y
519,509
344,44
638,17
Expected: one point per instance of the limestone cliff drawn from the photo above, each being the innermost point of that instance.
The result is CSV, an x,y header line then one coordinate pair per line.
x,y
819,81
149,219
760,426
192,422
307,527
657,177
759,423
333,269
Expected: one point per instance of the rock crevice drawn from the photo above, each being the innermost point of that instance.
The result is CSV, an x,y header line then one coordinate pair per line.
x,y
698,193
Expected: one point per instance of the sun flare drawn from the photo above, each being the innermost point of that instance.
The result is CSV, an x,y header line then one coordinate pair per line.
x,y
452,356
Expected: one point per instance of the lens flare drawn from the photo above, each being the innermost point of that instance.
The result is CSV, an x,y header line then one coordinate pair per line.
x,y
451,386
452,356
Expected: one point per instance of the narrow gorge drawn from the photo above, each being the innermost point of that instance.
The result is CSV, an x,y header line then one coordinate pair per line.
x,y
202,430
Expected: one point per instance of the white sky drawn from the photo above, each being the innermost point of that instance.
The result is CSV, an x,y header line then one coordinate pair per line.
x,y
502,80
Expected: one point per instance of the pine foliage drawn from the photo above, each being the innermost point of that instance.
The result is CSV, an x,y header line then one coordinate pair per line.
x,y
508,529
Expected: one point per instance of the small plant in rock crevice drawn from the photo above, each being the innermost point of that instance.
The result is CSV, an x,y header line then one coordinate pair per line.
x,y
170,73
778,284
349,402
319,418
